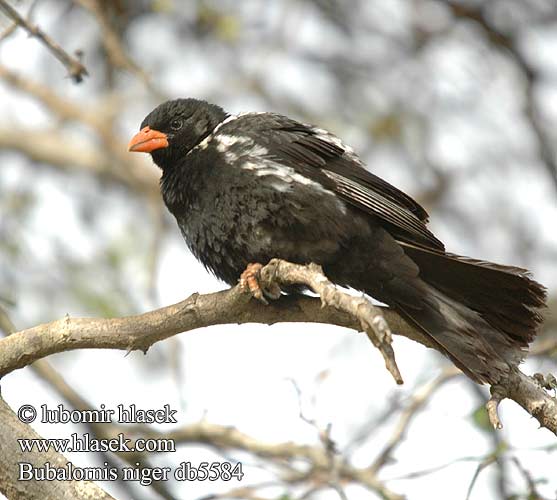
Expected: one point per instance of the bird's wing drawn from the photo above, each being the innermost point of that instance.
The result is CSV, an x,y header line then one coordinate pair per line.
x,y
323,158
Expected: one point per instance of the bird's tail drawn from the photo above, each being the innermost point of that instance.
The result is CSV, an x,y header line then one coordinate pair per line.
x,y
483,315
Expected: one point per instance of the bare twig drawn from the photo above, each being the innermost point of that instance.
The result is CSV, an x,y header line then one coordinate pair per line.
x,y
13,27
75,68
499,448
509,44
490,459
492,406
370,317
8,32
317,456
113,47
418,401
117,55
533,493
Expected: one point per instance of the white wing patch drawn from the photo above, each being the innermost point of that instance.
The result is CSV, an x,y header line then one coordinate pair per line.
x,y
263,167
205,142
283,178
225,142
327,136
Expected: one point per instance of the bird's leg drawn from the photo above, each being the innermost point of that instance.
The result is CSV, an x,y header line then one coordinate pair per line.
x,y
249,280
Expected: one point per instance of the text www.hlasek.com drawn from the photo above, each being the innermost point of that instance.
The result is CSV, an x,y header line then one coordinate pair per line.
x,y
75,443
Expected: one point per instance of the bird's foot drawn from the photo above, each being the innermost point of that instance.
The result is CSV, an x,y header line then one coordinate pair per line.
x,y
249,280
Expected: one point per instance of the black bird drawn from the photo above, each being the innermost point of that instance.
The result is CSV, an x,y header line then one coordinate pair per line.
x,y
251,187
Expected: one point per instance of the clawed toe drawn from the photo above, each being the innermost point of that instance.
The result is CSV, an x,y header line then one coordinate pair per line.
x,y
249,280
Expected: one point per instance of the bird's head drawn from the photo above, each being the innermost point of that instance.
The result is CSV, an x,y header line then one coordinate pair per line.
x,y
174,128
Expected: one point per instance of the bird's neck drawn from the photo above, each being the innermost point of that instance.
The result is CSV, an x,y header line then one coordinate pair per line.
x,y
182,184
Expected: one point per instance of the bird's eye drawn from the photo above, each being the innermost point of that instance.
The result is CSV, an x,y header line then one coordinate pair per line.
x,y
176,124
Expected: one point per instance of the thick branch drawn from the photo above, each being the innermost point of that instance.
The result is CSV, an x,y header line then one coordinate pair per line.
x,y
12,455
142,331
230,306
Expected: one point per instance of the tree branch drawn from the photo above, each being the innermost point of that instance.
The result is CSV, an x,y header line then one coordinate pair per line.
x,y
417,402
509,43
55,149
76,70
12,455
112,43
225,307
217,436
371,319
224,437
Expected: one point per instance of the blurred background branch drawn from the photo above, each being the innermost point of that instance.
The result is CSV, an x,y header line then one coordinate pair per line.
x,y
76,70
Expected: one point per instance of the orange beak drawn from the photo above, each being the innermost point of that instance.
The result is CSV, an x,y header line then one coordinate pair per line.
x,y
147,140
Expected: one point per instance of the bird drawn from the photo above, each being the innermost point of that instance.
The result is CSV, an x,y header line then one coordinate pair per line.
x,y
250,187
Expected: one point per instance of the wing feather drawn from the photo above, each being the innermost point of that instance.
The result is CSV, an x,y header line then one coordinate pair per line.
x,y
383,208
322,157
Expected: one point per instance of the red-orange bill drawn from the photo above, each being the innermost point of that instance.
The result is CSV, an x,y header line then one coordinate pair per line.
x,y
147,140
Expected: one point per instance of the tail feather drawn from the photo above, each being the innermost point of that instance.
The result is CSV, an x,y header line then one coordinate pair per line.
x,y
483,315
506,297
473,345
